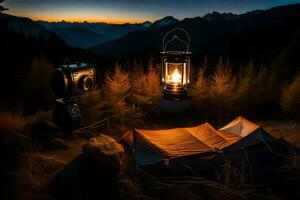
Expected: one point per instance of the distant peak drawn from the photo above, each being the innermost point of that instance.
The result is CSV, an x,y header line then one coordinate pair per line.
x,y
146,24
165,21
214,16
169,18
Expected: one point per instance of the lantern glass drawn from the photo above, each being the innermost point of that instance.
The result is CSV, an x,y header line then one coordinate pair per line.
x,y
175,73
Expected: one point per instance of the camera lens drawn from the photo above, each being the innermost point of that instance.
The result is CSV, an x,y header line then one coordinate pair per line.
x,y
87,83
73,80
59,83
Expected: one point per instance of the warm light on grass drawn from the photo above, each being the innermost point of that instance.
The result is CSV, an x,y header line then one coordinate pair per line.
x,y
10,122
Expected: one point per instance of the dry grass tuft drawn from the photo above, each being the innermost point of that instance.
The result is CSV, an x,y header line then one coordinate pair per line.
x,y
34,176
148,187
235,178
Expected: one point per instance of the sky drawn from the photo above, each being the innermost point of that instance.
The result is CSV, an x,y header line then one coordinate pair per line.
x,y
131,11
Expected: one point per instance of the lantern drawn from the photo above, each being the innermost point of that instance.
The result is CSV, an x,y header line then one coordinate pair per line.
x,y
175,67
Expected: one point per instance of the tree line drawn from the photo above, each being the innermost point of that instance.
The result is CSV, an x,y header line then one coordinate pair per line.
x,y
133,92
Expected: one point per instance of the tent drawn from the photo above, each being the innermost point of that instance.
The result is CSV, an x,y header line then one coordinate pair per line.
x,y
250,133
240,126
197,150
151,146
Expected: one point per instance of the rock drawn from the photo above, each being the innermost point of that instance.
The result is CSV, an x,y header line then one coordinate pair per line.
x,y
106,150
84,178
56,143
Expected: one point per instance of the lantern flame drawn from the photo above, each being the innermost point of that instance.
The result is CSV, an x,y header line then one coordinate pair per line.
x,y
176,76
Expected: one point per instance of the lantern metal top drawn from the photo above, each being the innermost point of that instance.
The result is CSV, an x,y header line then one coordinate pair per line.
x,y
176,37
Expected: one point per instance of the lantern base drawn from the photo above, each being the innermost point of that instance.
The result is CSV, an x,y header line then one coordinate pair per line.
x,y
174,94
173,110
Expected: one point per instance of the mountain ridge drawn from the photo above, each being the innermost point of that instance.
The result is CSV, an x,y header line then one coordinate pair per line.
x,y
259,35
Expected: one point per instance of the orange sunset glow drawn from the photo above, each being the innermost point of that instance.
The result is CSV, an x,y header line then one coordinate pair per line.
x,y
106,17
87,19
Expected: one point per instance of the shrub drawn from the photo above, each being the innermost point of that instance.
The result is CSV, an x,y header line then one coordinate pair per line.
x,y
91,107
37,90
116,94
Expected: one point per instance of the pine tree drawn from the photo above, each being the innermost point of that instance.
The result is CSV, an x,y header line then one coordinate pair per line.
x,y
222,83
116,96
116,91
200,91
243,95
261,85
145,87
290,100
222,87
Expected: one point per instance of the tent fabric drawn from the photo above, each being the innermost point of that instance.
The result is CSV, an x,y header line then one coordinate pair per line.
x,y
174,142
250,133
192,150
155,145
213,138
240,126
184,141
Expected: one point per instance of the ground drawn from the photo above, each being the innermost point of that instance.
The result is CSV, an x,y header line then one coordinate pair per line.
x,y
289,130
40,166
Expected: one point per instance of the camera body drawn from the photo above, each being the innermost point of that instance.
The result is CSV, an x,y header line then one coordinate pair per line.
x,y
66,114
69,82
73,80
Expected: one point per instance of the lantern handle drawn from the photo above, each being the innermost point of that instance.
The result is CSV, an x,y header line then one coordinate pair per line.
x,y
175,37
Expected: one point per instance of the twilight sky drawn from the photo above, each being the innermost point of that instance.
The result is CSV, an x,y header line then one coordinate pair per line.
x,y
121,11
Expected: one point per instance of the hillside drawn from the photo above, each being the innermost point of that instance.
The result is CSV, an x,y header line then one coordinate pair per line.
x,y
87,34
22,42
80,37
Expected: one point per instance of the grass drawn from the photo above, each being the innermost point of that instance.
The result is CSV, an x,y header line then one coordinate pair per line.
x,y
34,175
147,187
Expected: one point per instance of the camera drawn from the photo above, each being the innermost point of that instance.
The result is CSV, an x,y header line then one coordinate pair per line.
x,y
73,80
69,82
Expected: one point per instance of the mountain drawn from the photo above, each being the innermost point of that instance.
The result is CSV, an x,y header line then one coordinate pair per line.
x,y
146,24
268,37
22,42
80,37
215,16
164,22
25,26
87,34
